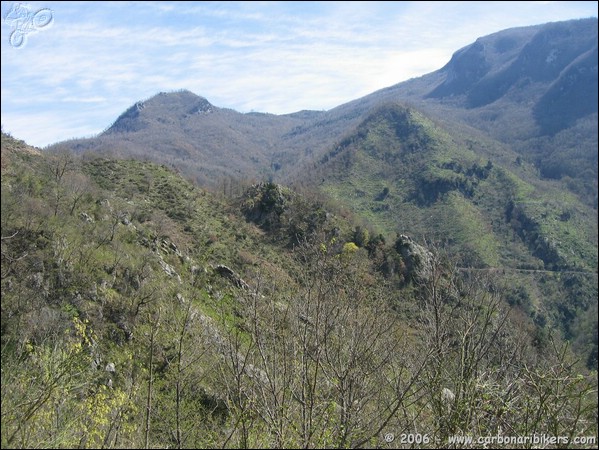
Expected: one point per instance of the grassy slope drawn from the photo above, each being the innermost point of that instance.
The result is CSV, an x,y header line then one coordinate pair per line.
x,y
439,188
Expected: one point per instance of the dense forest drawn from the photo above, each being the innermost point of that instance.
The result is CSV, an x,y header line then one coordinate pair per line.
x,y
139,310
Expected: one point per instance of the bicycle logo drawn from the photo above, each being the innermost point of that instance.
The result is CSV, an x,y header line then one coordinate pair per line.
x,y
25,21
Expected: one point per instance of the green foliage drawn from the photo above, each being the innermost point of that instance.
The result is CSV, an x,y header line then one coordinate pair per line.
x,y
467,195
349,248
278,210
361,236
141,311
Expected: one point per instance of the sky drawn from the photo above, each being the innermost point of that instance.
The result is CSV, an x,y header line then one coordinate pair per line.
x,y
69,69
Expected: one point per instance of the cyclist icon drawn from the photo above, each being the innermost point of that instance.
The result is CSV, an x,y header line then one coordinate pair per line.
x,y
26,21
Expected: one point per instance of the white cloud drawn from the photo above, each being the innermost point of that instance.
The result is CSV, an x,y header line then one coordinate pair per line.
x,y
85,99
42,129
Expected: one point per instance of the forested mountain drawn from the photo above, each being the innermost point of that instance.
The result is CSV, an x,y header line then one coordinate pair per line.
x,y
493,156
141,311
533,89
426,254
186,131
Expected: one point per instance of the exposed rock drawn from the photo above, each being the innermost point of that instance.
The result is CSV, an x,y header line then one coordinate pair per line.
x,y
129,120
124,219
256,373
447,395
417,259
230,275
86,217
175,249
447,398
168,269
203,106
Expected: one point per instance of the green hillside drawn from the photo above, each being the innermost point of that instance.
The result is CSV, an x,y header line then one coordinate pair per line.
x,y
141,311
401,173
419,263
404,173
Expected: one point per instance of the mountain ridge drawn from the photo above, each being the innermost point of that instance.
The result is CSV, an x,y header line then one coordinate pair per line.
x,y
225,149
498,85
195,277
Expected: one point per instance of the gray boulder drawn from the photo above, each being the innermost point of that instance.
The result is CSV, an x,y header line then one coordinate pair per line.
x,y
417,259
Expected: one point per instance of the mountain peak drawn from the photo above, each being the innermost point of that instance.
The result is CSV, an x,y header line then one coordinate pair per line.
x,y
180,96
179,104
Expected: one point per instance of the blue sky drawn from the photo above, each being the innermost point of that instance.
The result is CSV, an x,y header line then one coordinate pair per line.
x,y
72,77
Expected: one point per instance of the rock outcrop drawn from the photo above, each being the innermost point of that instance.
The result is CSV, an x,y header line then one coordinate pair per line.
x,y
417,259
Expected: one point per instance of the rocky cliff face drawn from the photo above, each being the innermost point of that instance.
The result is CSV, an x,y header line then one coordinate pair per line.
x,y
417,259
